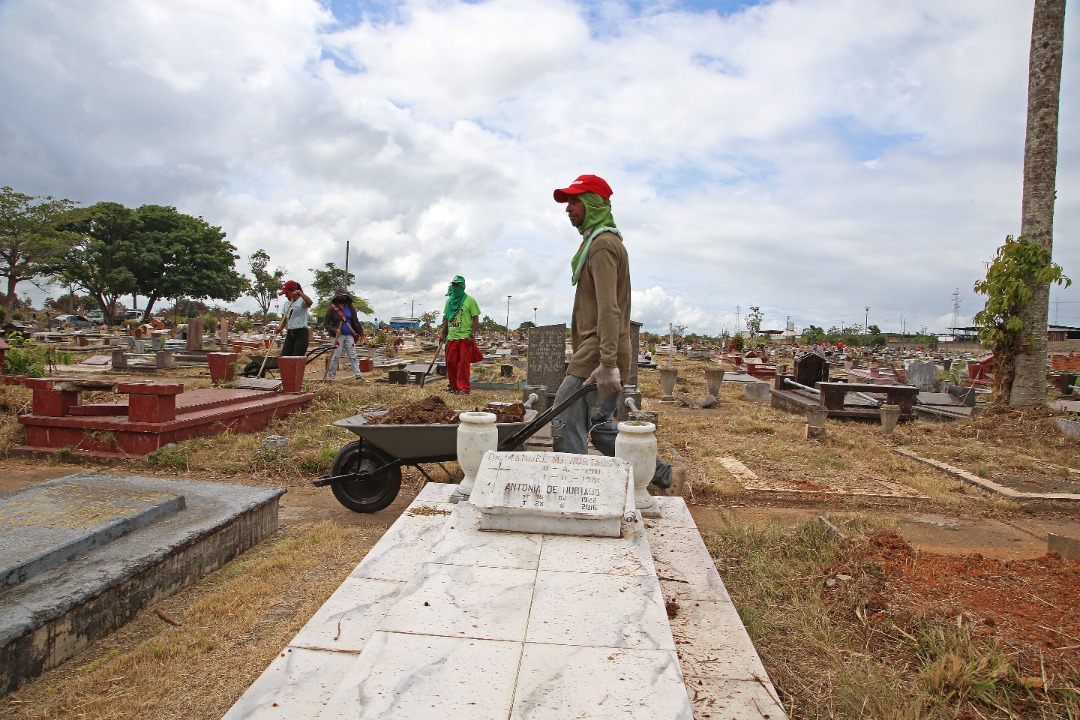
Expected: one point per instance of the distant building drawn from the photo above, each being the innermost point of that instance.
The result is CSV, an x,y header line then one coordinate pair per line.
x,y
1062,332
403,323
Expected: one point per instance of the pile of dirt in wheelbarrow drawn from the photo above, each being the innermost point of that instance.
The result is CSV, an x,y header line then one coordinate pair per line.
x,y
434,411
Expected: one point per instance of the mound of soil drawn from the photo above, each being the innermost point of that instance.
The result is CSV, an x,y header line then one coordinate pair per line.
x,y
434,411
1028,604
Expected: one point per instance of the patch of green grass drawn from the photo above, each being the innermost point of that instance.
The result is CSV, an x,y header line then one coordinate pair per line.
x,y
170,456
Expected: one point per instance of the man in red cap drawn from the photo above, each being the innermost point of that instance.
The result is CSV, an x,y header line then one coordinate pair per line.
x,y
294,319
600,327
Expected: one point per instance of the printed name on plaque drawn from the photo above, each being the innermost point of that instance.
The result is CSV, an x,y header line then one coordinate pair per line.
x,y
559,483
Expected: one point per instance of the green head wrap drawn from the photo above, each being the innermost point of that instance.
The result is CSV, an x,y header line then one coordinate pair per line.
x,y
598,219
455,297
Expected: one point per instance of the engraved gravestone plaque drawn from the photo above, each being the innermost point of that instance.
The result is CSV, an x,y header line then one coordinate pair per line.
x,y
553,493
547,357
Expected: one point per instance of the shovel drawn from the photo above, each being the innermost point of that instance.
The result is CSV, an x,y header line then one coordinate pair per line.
x,y
423,378
268,349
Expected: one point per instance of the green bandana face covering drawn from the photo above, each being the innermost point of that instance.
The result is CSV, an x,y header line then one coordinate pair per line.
x,y
598,219
455,295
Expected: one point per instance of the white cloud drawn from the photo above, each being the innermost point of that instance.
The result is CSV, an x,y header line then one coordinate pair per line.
x,y
812,157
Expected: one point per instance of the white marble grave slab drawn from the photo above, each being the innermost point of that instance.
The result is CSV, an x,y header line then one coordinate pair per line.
x,y
402,550
298,684
559,682
734,699
599,610
409,677
463,601
459,543
683,560
628,555
350,616
552,493
713,644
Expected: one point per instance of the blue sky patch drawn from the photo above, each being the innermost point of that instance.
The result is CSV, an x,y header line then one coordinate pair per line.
x,y
863,143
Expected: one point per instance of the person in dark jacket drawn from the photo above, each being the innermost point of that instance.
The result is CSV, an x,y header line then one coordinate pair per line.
x,y
344,326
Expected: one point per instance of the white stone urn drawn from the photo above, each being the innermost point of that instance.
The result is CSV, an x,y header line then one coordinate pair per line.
x,y
668,377
890,415
476,435
636,444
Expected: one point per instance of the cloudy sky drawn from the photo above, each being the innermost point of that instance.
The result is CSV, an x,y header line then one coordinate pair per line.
x,y
810,157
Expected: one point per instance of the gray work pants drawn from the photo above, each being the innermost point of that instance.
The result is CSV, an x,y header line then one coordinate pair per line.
x,y
572,429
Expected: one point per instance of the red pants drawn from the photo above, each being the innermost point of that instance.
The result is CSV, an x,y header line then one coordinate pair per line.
x,y
458,364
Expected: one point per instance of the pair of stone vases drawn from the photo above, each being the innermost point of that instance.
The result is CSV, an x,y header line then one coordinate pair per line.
x,y
636,443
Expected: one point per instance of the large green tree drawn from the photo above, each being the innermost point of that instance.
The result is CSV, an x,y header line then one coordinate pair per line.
x,y
95,262
153,251
1028,386
264,285
174,255
327,280
29,237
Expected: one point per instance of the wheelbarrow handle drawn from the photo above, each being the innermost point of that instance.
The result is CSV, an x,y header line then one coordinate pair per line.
x,y
544,418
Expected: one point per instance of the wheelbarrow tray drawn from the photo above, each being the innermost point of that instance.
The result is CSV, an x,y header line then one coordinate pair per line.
x,y
416,443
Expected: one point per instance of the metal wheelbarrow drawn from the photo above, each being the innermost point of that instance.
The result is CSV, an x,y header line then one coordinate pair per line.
x,y
365,475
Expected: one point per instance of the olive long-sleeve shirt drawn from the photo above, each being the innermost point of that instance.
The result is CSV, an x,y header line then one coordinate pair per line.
x,y
600,326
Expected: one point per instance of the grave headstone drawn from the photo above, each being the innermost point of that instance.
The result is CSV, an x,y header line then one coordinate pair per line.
x,y
547,360
810,369
194,333
553,493
635,351
922,374
756,391
223,332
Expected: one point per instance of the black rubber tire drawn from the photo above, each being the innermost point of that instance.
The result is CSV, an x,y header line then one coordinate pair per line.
x,y
371,494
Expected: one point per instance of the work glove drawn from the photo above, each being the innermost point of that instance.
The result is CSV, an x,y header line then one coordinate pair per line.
x,y
607,379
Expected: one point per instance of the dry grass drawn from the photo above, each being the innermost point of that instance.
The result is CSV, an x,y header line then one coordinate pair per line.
x,y
772,444
233,623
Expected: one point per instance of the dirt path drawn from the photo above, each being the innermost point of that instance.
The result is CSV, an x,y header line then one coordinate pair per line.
x,y
927,529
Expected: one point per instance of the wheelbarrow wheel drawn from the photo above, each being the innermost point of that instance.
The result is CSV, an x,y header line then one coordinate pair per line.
x,y
369,494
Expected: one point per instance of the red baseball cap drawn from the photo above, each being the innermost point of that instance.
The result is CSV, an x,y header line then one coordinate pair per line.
x,y
584,184
289,286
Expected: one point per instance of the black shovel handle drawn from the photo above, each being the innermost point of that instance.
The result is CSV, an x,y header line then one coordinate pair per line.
x,y
544,418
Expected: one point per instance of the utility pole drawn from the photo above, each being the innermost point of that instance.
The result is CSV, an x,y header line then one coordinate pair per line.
x,y
534,316
508,313
866,321
955,310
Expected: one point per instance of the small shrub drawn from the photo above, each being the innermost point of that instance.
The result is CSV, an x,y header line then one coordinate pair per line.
x,y
171,456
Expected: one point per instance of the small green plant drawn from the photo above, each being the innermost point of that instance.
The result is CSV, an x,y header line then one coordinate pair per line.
x,y
25,357
1019,267
171,456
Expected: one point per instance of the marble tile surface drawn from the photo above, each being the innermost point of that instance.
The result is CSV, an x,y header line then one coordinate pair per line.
x,y
560,682
350,616
673,513
599,610
628,555
297,684
402,550
462,601
733,699
409,677
681,557
462,543
713,642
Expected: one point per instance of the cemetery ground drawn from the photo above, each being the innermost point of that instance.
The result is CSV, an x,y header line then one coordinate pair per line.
x,y
872,584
